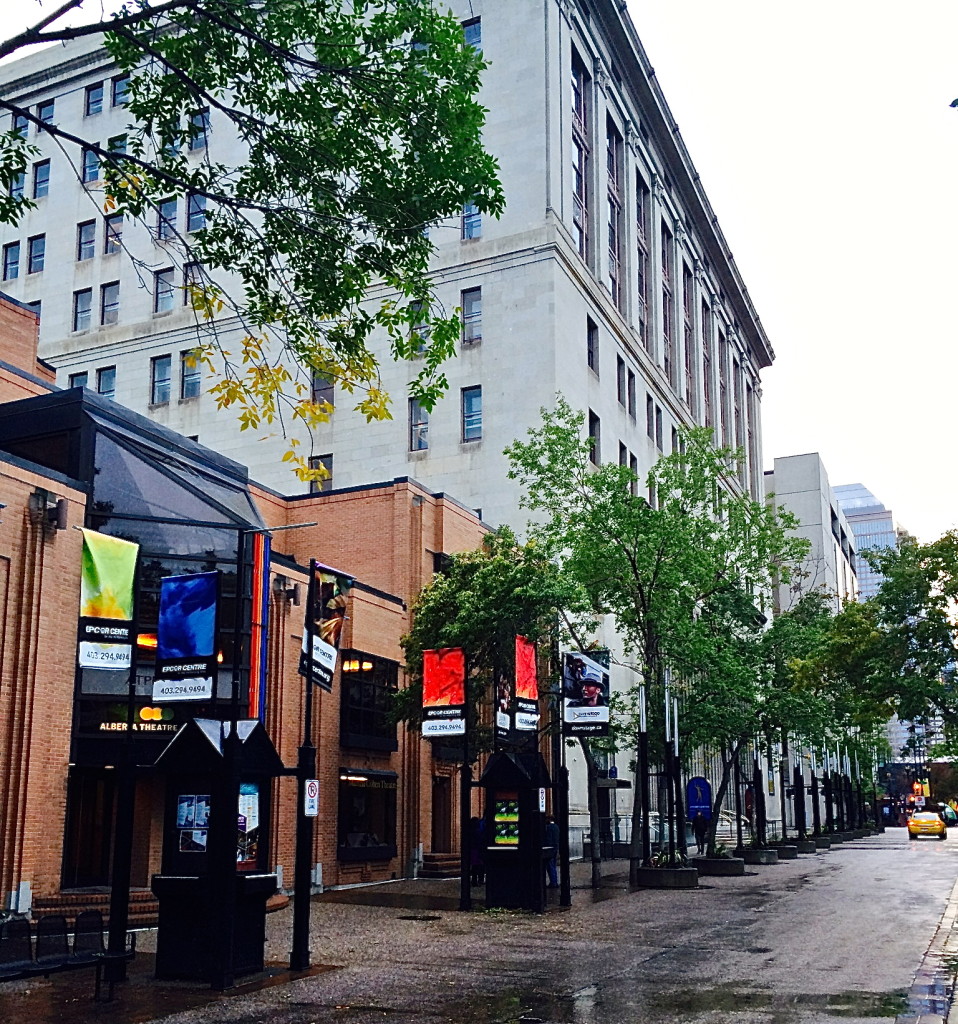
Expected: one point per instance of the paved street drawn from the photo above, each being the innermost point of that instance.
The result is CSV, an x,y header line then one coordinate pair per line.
x,y
838,936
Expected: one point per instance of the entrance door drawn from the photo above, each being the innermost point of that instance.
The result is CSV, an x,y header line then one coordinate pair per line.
x,y
91,800
441,815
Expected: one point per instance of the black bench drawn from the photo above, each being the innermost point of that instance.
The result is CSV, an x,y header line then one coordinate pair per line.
x,y
25,955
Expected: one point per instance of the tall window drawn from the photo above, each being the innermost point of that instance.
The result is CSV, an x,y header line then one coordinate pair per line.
x,y
93,100
623,455
472,413
471,221
620,379
36,253
163,290
580,156
199,128
631,394
117,144
592,344
723,389
658,428
192,280
750,445
737,399
113,233
45,111
17,185
190,380
166,219
322,390
120,89
418,427
19,125
420,330
614,210
196,213
86,240
110,303
668,340
11,261
82,309
642,221
688,334
472,315
650,417
160,369
324,462
707,363
595,438
634,466
41,179
106,381
472,30
90,169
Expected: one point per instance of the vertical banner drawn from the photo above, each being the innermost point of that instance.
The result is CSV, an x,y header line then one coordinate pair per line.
x,y
444,692
325,617
186,637
259,591
527,686
505,707
585,692
107,574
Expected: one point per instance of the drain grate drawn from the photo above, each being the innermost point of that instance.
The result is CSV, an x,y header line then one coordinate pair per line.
x,y
420,917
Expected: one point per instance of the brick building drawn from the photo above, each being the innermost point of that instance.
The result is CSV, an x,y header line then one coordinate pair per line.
x,y
74,458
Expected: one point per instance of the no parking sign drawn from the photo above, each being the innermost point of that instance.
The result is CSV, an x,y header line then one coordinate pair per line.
x,y
311,808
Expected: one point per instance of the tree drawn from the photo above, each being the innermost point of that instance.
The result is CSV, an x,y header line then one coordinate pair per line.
x,y
360,128
676,574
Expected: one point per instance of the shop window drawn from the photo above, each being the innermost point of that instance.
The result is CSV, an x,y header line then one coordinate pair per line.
x,y
367,815
368,684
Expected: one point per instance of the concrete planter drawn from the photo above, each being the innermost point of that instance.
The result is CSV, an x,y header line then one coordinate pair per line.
x,y
668,878
760,856
822,842
837,837
719,865
807,845
787,851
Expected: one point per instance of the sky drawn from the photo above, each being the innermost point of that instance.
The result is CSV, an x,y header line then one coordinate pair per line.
x,y
827,145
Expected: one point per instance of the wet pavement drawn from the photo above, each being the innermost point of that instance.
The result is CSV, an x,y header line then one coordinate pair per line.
x,y
837,936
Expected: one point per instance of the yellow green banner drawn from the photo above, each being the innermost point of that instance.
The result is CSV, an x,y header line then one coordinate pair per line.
x,y
106,577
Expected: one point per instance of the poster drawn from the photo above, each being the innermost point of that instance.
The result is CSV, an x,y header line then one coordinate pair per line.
x,y
247,826
585,693
444,692
107,575
505,709
505,820
527,686
325,618
192,821
186,637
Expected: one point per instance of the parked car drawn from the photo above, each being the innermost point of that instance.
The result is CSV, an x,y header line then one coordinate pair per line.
x,y
927,823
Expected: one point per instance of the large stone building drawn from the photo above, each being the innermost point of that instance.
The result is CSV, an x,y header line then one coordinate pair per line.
x,y
607,279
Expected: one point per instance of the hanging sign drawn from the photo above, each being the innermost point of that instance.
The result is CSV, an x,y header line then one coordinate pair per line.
x,y
311,798
527,686
444,692
325,618
585,692
186,637
107,573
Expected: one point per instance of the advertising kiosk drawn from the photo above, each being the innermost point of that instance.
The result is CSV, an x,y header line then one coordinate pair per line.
x,y
215,883
515,786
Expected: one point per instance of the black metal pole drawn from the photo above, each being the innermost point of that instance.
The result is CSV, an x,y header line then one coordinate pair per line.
x,y
737,782
798,794
758,786
829,806
465,808
783,783
646,797
302,874
875,809
816,810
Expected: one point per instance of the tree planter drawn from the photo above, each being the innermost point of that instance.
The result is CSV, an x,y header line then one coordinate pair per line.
x,y
787,851
836,837
822,842
719,865
807,845
760,856
667,878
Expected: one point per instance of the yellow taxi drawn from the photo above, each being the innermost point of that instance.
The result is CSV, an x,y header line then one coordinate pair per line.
x,y
927,823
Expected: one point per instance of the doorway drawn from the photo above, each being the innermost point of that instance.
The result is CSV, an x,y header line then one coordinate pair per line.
x,y
441,815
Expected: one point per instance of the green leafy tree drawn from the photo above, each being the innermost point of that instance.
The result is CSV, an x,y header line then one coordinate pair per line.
x,y
360,128
673,573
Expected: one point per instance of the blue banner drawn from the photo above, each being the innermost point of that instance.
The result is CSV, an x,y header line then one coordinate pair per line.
x,y
186,661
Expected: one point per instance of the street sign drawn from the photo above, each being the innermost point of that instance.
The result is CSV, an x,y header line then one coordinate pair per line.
x,y
698,797
919,801
311,808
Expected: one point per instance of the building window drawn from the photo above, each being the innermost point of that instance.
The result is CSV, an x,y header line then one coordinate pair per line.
x,y
418,427
324,462
110,303
45,112
631,394
634,466
322,390
113,233
580,156
166,219
195,213
11,261
472,30
117,144
367,815
472,413
86,240
623,455
368,685
163,291
650,417
199,128
595,429
160,369
82,309
79,380
688,322
90,169
192,283
658,428
668,341
41,179
620,379
190,374
120,89
19,124
642,220
17,185
472,315
614,211
94,99
106,381
419,330
36,253
471,221
707,363
592,344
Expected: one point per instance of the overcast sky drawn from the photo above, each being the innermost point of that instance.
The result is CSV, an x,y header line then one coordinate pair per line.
x,y
826,143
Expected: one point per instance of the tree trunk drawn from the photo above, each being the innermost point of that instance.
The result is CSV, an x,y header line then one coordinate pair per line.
x,y
728,759
595,826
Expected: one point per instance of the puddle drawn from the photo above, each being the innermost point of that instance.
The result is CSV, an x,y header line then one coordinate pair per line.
x,y
836,1004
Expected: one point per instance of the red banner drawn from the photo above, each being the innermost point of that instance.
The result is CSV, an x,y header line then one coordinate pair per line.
x,y
444,692
527,686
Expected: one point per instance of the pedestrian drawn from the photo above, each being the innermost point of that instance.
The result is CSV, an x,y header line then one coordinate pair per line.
x,y
551,843
700,829
477,853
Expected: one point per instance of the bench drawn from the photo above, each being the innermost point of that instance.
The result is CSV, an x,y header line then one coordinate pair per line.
x,y
24,954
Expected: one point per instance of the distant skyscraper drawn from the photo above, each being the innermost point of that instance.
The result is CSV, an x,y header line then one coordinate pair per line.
x,y
873,526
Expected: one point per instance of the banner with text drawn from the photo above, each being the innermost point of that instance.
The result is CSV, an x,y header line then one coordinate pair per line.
x,y
107,575
186,637
527,686
444,692
585,692
325,618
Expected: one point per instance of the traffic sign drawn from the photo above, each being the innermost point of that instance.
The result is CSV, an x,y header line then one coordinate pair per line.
x,y
311,808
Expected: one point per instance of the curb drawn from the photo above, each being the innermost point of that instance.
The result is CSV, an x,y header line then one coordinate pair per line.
x,y
930,995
